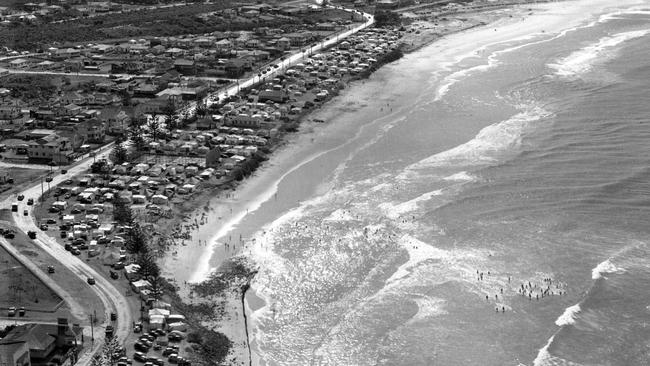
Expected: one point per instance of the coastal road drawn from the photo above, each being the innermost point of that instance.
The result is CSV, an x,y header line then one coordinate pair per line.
x,y
282,64
112,299
294,58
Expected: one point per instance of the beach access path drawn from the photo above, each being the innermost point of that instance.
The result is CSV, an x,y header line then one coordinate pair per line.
x,y
112,299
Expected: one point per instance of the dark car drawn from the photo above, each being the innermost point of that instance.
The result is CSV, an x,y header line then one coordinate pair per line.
x,y
173,337
114,275
50,269
139,356
168,351
91,281
113,316
139,346
50,221
75,251
44,227
30,201
63,171
68,247
21,197
25,213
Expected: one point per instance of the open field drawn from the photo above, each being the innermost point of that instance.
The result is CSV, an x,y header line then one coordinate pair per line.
x,y
19,287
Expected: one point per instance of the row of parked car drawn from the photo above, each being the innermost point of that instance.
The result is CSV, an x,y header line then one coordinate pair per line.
x,y
149,341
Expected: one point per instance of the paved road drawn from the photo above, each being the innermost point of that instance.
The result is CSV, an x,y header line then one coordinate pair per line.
x,y
112,298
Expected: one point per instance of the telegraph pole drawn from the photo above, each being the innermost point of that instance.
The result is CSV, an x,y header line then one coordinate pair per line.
x,y
92,330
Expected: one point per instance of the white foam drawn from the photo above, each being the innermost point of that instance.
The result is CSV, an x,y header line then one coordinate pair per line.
x,y
569,315
428,307
605,267
339,215
419,252
582,61
395,211
490,140
544,356
460,177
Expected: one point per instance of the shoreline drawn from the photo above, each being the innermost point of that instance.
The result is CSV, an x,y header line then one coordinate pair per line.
x,y
267,178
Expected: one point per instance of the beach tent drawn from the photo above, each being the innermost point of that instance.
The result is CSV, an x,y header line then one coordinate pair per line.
x,y
140,285
156,321
131,270
162,312
181,327
159,199
138,198
175,318
61,205
68,219
161,305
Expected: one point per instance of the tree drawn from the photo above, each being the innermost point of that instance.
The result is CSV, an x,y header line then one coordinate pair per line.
x,y
121,211
151,272
136,239
120,154
137,135
169,111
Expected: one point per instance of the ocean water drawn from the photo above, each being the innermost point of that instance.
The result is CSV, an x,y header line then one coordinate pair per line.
x,y
525,245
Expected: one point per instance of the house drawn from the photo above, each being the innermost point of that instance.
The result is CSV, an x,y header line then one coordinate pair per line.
x,y
92,130
274,95
283,43
51,148
46,344
14,354
223,45
116,120
185,67
299,39
236,67
244,120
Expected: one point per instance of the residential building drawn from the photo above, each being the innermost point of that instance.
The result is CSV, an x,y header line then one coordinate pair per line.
x,y
14,354
46,344
50,148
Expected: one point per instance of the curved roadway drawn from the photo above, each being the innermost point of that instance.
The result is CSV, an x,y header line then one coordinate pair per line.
x,y
112,299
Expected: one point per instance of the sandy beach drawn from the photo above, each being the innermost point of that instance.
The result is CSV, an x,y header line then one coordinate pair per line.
x,y
234,222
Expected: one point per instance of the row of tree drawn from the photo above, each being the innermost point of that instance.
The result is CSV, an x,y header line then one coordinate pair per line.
x,y
137,244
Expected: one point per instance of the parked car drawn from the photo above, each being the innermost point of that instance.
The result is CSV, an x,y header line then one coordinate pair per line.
x,y
50,221
139,346
12,311
44,227
64,171
21,197
113,317
31,234
75,251
114,275
25,213
21,311
91,281
50,269
139,356
30,201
